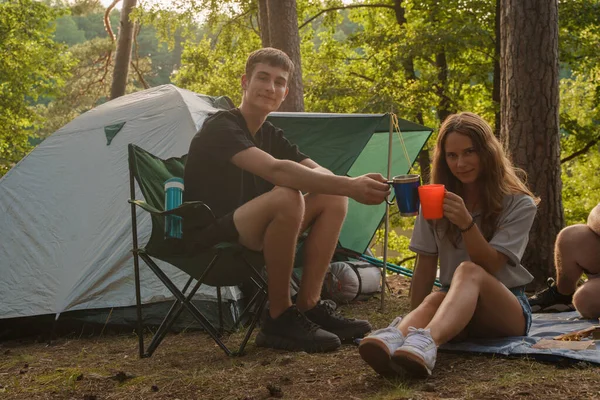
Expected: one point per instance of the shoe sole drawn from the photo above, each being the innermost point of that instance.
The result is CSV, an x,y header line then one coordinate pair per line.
x,y
277,342
411,363
375,353
348,336
552,309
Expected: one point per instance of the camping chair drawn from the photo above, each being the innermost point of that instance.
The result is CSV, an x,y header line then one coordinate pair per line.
x,y
225,264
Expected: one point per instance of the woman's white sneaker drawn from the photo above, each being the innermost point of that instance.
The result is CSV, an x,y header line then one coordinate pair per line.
x,y
377,348
418,353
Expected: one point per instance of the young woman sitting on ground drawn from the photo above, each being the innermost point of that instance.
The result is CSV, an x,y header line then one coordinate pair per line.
x,y
488,212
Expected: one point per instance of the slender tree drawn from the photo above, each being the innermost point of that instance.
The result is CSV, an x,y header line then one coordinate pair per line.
x,y
280,30
263,20
497,79
529,116
123,54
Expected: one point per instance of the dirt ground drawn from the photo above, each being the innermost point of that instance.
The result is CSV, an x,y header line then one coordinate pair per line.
x,y
190,366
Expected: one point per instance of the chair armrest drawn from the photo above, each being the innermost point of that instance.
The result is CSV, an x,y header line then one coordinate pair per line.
x,y
189,209
145,206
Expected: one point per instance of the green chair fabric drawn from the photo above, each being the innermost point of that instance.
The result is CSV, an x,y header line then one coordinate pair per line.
x,y
225,264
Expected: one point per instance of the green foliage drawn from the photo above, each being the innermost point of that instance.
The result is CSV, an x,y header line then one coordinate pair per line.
x,y
89,85
93,54
180,18
32,65
82,20
579,111
161,60
214,64
227,56
93,24
436,57
148,46
398,251
580,107
581,186
68,32
85,7
580,88
579,30
360,60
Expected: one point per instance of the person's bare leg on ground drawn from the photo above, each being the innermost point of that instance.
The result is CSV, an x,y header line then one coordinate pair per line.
x,y
324,215
586,299
271,223
377,349
481,301
476,301
421,316
576,249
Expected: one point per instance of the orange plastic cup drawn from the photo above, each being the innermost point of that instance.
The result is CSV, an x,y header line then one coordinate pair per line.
x,y
432,201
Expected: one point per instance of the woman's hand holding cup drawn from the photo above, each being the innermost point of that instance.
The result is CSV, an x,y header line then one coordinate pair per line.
x,y
456,211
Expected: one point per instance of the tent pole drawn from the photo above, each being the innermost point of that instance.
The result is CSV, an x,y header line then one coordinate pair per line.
x,y
387,215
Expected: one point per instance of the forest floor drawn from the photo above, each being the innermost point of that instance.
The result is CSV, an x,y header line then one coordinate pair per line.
x,y
189,365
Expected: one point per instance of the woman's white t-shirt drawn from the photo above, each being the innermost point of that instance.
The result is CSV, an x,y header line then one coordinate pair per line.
x,y
510,238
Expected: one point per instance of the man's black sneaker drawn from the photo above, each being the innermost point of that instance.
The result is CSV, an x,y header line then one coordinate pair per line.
x,y
293,331
550,300
324,315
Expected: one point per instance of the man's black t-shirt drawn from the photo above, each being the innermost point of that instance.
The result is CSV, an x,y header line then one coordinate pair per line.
x,y
211,177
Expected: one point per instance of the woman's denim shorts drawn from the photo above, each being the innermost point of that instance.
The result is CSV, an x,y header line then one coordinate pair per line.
x,y
519,292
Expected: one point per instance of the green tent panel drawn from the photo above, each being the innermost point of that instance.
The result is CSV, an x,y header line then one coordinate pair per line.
x,y
364,218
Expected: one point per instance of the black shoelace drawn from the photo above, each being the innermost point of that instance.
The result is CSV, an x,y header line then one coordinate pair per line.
x,y
304,322
328,308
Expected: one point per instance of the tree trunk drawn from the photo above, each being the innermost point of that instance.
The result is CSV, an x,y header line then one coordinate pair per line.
x,y
263,23
496,83
123,54
529,114
444,109
425,164
283,33
177,51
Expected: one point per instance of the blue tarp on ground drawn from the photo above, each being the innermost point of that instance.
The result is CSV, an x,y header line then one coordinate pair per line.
x,y
544,326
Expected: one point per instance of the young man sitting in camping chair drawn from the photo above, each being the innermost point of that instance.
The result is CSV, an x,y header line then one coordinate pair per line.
x,y
253,179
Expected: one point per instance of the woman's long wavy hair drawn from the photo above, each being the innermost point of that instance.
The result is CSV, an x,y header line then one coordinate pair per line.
x,y
497,176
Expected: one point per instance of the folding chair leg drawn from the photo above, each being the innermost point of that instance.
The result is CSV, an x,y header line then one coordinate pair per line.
x,y
182,301
250,304
172,315
174,311
138,303
187,304
136,270
262,284
220,309
255,319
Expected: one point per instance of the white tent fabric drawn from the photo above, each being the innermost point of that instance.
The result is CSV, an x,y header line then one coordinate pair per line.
x,y
65,237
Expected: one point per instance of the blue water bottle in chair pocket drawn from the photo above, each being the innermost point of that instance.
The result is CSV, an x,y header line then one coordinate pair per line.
x,y
173,199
